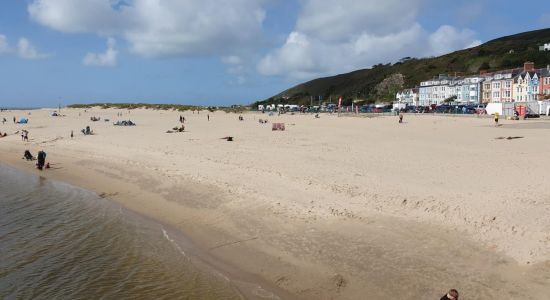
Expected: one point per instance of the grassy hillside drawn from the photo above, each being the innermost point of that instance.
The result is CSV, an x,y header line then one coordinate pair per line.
x,y
502,53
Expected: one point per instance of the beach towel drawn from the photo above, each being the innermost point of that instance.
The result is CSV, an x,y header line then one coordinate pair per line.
x,y
278,127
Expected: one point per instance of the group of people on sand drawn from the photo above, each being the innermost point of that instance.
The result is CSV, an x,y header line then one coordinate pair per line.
x,y
179,129
40,159
24,135
87,131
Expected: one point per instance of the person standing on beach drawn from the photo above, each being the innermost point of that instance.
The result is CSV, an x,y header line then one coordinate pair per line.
x,y
41,157
72,134
401,117
496,119
14,120
451,295
208,117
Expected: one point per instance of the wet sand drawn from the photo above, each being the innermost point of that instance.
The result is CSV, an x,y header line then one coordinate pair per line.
x,y
332,208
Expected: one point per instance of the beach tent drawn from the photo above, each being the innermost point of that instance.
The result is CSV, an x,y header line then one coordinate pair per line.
x,y
23,121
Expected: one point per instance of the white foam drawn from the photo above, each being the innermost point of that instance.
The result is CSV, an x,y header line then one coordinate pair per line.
x,y
173,242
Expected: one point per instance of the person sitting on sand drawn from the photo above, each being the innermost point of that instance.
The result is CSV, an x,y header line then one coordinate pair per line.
x,y
451,295
27,155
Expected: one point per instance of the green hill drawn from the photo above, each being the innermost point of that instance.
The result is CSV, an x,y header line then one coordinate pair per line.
x,y
380,82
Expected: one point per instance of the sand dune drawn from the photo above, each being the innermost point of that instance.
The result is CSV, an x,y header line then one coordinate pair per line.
x,y
331,208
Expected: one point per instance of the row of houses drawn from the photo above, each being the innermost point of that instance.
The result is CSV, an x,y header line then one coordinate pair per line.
x,y
515,85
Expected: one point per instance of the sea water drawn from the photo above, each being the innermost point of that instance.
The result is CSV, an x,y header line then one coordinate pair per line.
x,y
61,242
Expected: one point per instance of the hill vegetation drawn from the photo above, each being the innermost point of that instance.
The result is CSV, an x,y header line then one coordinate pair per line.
x,y
379,83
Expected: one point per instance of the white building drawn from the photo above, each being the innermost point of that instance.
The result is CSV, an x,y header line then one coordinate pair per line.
x,y
407,97
466,90
545,47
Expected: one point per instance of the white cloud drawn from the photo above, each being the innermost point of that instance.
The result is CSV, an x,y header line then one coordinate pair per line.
x,y
107,59
335,36
447,39
232,60
3,44
26,50
340,20
155,28
77,16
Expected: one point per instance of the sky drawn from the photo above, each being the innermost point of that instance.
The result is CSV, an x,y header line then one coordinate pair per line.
x,y
216,52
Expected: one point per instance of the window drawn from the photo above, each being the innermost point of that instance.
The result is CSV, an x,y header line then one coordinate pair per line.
x,y
507,94
507,84
496,94
496,85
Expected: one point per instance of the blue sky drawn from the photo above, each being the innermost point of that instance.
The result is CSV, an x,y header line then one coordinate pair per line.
x,y
225,52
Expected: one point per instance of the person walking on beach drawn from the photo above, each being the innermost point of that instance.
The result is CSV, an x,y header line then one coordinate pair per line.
x,y
72,134
208,117
496,119
401,117
451,295
14,120
26,136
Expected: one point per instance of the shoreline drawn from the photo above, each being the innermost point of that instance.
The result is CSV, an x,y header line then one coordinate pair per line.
x,y
309,249
249,285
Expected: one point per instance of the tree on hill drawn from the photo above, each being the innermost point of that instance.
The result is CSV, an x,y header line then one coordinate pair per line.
x,y
387,89
484,66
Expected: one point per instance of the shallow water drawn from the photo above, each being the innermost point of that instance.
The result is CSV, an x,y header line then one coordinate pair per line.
x,y
62,242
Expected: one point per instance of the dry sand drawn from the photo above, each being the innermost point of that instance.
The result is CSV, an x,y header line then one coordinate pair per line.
x,y
331,208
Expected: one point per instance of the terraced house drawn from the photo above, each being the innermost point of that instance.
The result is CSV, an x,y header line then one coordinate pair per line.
x,y
526,84
544,86
514,85
466,90
498,86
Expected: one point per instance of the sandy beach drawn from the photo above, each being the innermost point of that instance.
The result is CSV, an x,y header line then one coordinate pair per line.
x,y
331,208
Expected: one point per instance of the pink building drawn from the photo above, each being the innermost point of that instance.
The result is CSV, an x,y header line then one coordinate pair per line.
x,y
544,86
